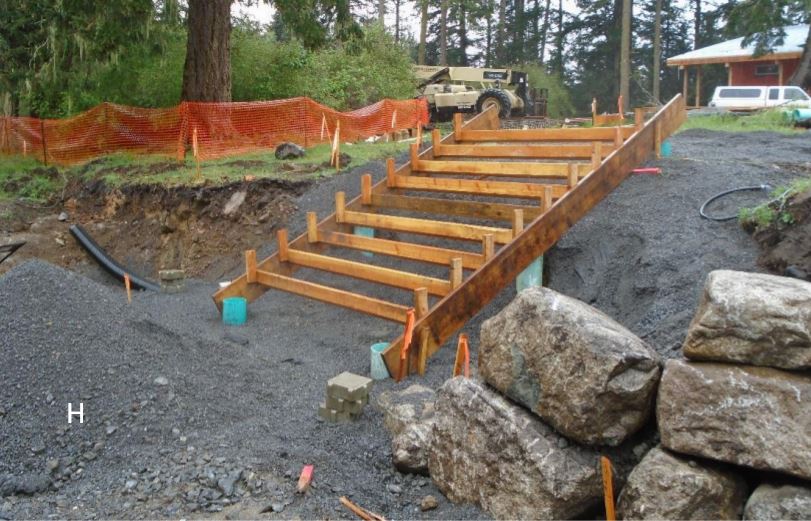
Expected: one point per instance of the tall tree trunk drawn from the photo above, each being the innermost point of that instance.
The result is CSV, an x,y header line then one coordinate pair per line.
x,y
800,75
397,20
520,32
423,31
462,32
657,51
544,32
488,35
443,32
625,53
697,25
501,33
558,65
381,12
207,72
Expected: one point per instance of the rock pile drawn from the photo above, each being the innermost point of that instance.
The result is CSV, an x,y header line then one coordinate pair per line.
x,y
582,384
563,384
742,398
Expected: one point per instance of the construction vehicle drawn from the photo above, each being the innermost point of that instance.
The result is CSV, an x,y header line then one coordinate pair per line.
x,y
474,89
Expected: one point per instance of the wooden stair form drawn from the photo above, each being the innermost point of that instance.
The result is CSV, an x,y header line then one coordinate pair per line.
x,y
549,198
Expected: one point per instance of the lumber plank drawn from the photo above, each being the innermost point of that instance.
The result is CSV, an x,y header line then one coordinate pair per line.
x,y
544,134
368,305
359,270
240,287
465,186
472,232
496,168
453,311
477,209
561,151
403,250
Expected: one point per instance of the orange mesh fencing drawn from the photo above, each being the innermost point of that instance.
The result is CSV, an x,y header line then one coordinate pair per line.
x,y
222,129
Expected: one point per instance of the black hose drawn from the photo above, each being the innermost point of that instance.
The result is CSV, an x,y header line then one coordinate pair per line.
x,y
722,194
106,262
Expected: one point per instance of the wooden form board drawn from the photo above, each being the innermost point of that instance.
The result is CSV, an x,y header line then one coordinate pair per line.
x,y
453,311
558,151
544,134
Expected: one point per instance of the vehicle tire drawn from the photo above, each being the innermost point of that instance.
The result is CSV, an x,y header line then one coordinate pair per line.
x,y
495,97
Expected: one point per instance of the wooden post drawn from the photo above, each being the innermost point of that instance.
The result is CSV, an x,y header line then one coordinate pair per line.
x,y
698,87
596,154
196,150
686,74
639,118
340,206
250,266
421,302
547,198
338,146
657,139
390,181
415,154
283,246
44,145
593,111
422,359
779,73
456,272
608,488
128,287
488,246
574,175
312,227
518,222
618,137
436,139
457,126
366,189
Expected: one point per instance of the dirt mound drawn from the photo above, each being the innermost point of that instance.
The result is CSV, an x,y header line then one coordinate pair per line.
x,y
786,243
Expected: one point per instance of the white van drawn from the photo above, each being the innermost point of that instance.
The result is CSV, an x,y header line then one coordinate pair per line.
x,y
751,98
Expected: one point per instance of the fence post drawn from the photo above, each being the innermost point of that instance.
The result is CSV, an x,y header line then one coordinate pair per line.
x,y
44,144
305,120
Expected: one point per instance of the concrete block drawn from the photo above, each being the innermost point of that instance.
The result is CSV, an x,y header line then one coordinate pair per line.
x,y
349,386
331,415
352,407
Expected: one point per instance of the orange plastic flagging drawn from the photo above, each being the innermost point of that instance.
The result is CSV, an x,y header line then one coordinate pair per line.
x,y
462,357
408,335
223,129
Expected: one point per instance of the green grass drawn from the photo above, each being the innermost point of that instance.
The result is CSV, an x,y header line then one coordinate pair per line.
x,y
771,120
773,210
27,178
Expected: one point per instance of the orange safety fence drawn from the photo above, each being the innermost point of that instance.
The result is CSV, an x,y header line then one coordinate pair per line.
x,y
223,129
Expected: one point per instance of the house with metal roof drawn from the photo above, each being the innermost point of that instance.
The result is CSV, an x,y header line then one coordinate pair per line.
x,y
743,67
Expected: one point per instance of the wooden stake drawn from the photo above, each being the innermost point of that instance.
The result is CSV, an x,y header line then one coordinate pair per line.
x,y
284,250
573,175
359,511
195,149
340,206
456,272
596,154
366,189
128,287
422,359
305,479
547,198
25,148
488,246
415,154
518,222
657,140
608,488
617,137
391,182
436,142
457,126
338,146
250,266
462,357
639,118
312,227
421,302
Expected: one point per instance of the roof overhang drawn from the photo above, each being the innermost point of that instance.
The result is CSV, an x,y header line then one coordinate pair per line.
x,y
681,62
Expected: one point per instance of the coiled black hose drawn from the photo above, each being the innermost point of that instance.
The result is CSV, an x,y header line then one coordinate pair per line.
x,y
727,192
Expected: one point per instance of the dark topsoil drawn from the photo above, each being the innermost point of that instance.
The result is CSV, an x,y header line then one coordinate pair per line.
x,y
184,416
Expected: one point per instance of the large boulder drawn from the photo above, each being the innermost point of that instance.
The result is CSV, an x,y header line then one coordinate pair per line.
x,y
746,415
572,365
775,502
666,486
490,452
751,318
408,415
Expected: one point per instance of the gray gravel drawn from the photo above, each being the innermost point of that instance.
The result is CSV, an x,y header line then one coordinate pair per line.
x,y
185,416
